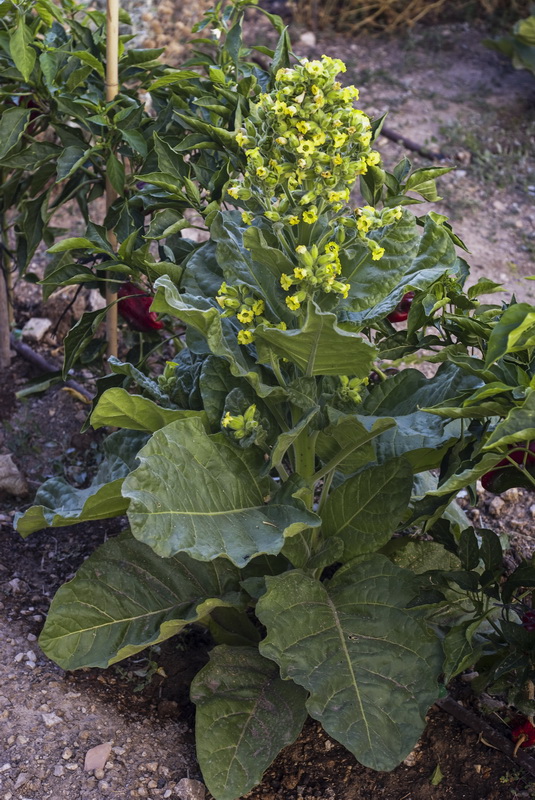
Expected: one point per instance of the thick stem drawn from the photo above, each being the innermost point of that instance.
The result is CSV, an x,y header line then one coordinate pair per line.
x,y
5,349
112,87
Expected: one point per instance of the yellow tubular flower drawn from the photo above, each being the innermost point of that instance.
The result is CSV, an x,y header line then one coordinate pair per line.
x,y
286,282
247,217
378,253
294,220
258,307
302,126
293,302
373,159
245,337
309,217
301,249
300,273
233,192
332,247
245,315
227,419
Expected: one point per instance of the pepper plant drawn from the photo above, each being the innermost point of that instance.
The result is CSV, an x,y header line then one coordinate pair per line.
x,y
164,142
269,471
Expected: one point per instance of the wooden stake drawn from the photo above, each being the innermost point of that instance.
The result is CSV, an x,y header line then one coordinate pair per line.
x,y
5,348
112,87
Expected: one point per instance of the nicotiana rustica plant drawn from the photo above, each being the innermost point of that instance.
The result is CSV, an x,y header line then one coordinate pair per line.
x,y
270,473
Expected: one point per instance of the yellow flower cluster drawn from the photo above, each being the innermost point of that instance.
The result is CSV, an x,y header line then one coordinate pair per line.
x,y
242,424
305,143
237,302
314,271
370,219
351,388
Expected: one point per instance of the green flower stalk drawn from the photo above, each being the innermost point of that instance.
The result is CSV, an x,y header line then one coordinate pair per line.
x,y
306,145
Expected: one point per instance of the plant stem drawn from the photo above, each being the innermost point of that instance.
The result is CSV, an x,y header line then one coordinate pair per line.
x,y
325,490
112,87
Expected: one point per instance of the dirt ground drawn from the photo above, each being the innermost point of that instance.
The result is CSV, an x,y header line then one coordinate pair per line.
x,y
443,89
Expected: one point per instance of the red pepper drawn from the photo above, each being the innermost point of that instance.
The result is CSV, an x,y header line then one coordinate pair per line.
x,y
524,734
135,310
505,476
401,311
528,620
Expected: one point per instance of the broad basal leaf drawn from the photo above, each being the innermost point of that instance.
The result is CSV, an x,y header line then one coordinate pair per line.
x,y
125,597
366,509
201,495
320,347
245,715
119,408
57,503
370,666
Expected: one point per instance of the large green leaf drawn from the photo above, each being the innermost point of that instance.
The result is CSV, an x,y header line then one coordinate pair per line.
x,y
57,503
245,715
119,408
201,495
12,124
125,597
220,335
366,509
372,280
242,259
320,347
370,666
347,444
435,256
518,426
514,331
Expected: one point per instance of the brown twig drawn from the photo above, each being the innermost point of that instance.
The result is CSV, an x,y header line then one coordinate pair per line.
x,y
45,366
394,136
492,736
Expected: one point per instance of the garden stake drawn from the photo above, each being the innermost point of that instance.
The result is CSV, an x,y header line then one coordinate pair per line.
x,y
112,87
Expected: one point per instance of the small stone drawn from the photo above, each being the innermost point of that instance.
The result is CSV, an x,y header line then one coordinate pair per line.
x,y
36,328
532,511
167,793
495,506
67,753
511,495
59,772
99,774
328,745
308,39
96,757
188,789
152,766
30,655
72,766
12,482
142,792
152,784
32,637
104,786
18,658
51,719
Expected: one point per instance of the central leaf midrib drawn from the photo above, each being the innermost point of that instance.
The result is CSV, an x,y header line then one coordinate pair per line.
x,y
350,667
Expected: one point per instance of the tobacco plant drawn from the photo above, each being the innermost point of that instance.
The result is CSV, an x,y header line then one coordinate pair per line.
x,y
270,473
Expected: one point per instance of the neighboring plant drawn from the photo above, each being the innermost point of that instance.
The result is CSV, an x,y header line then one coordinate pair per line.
x,y
269,472
519,46
59,139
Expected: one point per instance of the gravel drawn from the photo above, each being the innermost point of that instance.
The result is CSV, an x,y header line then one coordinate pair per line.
x,y
46,729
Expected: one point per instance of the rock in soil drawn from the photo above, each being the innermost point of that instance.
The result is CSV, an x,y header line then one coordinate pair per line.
x,y
12,481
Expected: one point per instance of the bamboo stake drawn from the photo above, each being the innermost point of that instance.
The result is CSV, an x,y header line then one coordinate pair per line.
x,y
112,87
6,313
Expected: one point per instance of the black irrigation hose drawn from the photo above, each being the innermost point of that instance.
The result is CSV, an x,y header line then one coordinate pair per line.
x,y
394,136
490,734
45,366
